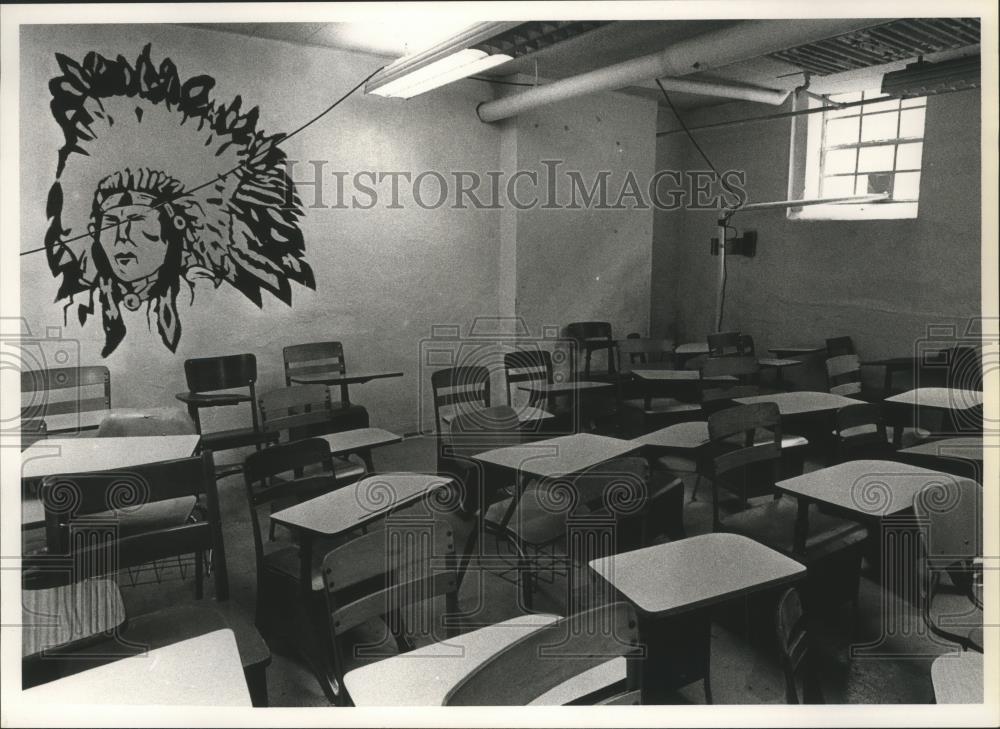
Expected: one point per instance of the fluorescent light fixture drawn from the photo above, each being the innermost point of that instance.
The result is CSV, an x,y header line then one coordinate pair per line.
x,y
450,68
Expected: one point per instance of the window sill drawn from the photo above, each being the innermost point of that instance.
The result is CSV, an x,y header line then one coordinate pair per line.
x,y
882,211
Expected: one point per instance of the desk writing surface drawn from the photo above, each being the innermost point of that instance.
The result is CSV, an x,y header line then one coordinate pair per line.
x,y
424,676
944,398
358,503
965,448
348,441
656,375
868,487
800,403
77,455
525,414
958,678
778,362
561,456
201,671
792,350
556,388
696,572
341,378
682,436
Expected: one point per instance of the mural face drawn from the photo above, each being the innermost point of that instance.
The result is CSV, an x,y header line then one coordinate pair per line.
x,y
158,185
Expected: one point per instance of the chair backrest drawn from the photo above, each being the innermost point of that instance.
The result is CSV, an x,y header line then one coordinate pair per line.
x,y
529,365
861,431
207,374
738,452
837,346
63,391
633,352
793,649
953,510
472,433
298,411
462,389
550,656
418,565
723,344
267,480
590,337
83,511
313,358
843,374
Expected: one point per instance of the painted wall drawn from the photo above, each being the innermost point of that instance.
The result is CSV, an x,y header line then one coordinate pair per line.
x,y
384,276
587,264
881,282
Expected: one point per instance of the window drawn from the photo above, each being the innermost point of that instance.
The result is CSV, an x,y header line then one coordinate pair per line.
x,y
864,149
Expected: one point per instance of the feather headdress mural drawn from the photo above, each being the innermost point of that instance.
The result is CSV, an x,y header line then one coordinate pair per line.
x,y
157,183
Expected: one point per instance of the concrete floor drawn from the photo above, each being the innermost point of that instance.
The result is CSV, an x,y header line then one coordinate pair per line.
x,y
744,666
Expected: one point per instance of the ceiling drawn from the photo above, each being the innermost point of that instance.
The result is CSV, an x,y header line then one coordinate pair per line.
x,y
611,43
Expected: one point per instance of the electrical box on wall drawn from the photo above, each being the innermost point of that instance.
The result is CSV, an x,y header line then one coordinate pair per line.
x,y
745,245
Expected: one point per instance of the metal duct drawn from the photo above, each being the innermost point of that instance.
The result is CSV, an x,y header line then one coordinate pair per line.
x,y
775,97
709,50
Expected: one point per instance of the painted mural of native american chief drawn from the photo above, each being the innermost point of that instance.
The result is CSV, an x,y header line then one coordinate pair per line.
x,y
158,185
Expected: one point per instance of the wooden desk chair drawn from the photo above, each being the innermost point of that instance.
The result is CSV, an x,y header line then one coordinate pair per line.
x,y
640,414
211,381
65,391
610,508
318,358
843,375
590,337
404,559
279,475
951,548
459,390
580,660
839,346
716,395
534,365
724,344
861,433
797,660
96,542
634,352
833,546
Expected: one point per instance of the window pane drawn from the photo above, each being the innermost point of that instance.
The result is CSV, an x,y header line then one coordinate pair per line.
x,y
842,131
838,186
907,186
908,157
838,161
911,123
880,183
879,126
890,105
871,159
861,185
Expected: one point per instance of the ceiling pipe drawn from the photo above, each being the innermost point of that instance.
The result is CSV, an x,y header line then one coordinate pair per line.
x,y
775,97
709,50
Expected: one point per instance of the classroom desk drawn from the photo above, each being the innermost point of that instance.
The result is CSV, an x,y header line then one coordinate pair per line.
x,y
672,586
691,349
876,494
958,678
335,513
779,365
53,456
802,403
343,379
202,671
547,391
360,441
956,406
961,456
527,415
61,616
693,435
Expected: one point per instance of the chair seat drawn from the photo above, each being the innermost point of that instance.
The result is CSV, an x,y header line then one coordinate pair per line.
x,y
221,440
148,517
772,522
424,677
954,613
